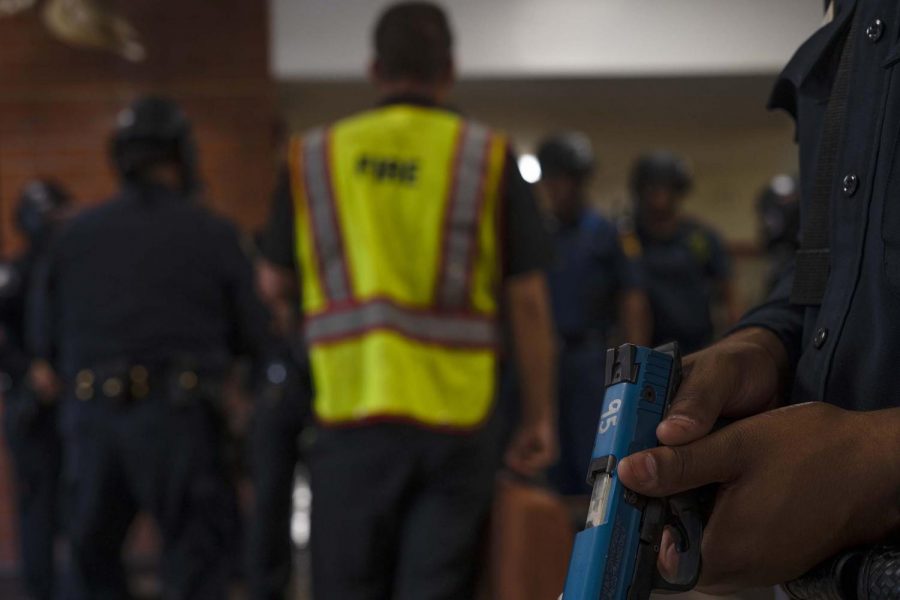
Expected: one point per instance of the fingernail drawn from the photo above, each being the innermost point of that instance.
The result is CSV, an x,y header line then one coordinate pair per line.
x,y
681,420
670,557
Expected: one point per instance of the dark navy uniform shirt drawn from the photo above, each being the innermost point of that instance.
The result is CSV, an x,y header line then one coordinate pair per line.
x,y
148,276
589,272
682,274
847,351
14,281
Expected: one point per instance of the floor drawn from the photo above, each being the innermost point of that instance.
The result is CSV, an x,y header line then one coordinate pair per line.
x,y
10,590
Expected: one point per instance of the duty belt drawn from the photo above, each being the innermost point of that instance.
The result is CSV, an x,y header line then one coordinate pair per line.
x,y
124,385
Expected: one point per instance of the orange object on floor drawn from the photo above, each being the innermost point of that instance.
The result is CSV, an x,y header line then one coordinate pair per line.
x,y
531,540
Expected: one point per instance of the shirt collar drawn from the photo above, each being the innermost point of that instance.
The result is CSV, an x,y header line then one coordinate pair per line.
x,y
408,98
418,100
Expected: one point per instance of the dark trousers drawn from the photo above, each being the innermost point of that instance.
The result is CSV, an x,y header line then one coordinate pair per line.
x,y
398,512
581,385
163,457
32,433
274,454
580,389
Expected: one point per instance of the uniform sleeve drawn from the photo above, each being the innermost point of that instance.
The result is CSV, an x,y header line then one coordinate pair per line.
x,y
250,319
278,246
14,360
719,267
526,240
40,308
779,316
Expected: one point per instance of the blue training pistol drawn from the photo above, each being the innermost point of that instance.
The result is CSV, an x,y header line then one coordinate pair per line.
x,y
615,557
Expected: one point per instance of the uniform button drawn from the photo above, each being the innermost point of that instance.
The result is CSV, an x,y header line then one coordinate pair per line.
x,y
84,392
85,377
188,380
139,374
112,387
84,389
820,338
850,184
875,30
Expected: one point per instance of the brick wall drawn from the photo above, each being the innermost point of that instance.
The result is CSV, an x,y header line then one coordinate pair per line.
x,y
58,105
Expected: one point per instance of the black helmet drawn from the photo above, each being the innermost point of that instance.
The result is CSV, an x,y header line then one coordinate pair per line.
x,y
567,153
38,201
664,168
151,131
778,207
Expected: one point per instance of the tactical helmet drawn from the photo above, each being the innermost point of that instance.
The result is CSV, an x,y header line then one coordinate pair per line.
x,y
661,167
38,201
778,207
154,130
569,153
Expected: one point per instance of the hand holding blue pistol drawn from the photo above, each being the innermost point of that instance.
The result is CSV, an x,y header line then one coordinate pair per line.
x,y
615,557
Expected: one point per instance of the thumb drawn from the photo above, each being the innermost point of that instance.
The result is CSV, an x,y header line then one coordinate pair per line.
x,y
669,470
697,405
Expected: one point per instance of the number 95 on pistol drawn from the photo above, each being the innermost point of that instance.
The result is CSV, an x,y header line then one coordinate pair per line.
x,y
615,557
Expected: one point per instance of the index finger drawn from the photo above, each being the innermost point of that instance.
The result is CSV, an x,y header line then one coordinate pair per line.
x,y
697,404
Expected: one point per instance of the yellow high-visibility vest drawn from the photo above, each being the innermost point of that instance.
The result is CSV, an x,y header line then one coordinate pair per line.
x,y
397,218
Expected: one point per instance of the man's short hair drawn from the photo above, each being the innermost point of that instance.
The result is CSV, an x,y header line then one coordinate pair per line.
x,y
413,41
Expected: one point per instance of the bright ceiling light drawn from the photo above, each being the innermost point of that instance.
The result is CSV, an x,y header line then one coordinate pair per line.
x,y
784,185
530,168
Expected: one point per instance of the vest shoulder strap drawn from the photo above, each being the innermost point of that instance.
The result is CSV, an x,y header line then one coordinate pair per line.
x,y
460,234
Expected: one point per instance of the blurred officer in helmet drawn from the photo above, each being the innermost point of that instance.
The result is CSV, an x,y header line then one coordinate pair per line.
x,y
147,301
30,390
685,262
281,414
778,208
594,287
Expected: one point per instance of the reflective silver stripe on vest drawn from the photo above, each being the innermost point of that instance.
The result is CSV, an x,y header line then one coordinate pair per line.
x,y
323,213
461,230
445,330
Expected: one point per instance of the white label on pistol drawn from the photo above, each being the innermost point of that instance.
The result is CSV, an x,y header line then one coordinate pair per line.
x,y
610,418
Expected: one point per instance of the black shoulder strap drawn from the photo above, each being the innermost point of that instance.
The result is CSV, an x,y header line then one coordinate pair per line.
x,y
813,257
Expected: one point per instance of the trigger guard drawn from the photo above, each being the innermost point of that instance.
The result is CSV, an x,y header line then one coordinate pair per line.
x,y
683,541
686,517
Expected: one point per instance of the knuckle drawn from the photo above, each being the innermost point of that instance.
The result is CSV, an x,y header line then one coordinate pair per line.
x,y
699,390
734,442
674,466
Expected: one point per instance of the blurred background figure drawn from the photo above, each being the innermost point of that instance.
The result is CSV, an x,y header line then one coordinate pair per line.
x,y
30,392
68,66
778,209
401,296
146,302
686,265
595,289
281,413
